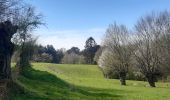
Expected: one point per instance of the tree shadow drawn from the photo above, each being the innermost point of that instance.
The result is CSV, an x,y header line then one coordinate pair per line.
x,y
41,85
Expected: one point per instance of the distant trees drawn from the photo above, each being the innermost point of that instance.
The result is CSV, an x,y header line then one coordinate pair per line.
x,y
48,54
75,50
118,52
44,57
51,51
73,56
91,48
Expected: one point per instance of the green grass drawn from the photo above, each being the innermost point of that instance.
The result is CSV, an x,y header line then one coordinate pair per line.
x,y
82,82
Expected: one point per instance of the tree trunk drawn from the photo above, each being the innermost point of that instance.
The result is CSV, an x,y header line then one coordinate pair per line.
x,y
4,89
151,80
5,66
122,76
24,58
6,50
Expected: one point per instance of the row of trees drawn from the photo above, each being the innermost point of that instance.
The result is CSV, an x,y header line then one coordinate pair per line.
x,y
39,53
47,54
86,56
146,48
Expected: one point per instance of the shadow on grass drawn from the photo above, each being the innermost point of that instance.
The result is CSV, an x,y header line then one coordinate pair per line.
x,y
41,85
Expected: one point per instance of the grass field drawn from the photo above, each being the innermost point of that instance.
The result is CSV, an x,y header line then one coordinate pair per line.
x,y
82,82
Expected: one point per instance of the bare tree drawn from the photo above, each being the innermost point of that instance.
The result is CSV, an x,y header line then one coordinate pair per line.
x,y
8,9
150,31
118,44
164,29
27,21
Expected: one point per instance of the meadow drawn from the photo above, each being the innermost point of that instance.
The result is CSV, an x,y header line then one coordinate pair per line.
x,y
46,81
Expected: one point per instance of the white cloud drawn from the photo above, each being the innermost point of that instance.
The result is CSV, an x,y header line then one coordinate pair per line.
x,y
69,38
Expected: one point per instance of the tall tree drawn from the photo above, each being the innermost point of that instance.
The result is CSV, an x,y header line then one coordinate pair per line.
x,y
119,50
91,48
90,42
151,30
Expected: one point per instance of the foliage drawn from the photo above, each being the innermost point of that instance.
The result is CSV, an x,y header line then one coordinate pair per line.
x,y
72,58
48,54
90,49
44,57
75,50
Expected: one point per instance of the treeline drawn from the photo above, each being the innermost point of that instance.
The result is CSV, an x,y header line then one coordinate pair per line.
x,y
86,56
48,54
142,53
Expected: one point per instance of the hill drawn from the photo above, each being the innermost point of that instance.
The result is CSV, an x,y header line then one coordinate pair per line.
x,y
45,81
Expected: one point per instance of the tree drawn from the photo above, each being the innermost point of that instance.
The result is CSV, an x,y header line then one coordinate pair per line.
x,y
98,54
44,57
42,53
7,30
90,42
75,50
71,58
8,9
26,54
152,30
164,28
105,63
10,18
27,20
90,49
56,55
60,55
119,51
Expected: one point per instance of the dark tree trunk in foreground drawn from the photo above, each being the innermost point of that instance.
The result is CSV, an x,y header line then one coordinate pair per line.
x,y
6,48
122,76
151,80
7,30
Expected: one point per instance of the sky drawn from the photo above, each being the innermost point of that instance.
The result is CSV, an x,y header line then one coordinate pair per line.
x,y
70,22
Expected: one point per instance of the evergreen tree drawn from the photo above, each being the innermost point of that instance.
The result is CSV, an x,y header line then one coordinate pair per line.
x,y
91,48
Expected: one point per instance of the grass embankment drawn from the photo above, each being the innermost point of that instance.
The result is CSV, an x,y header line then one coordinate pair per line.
x,y
82,82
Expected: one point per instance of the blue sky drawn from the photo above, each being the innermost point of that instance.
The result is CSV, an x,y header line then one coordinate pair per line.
x,y
71,22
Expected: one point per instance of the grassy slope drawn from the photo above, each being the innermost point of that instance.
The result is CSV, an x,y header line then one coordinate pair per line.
x,y
82,82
